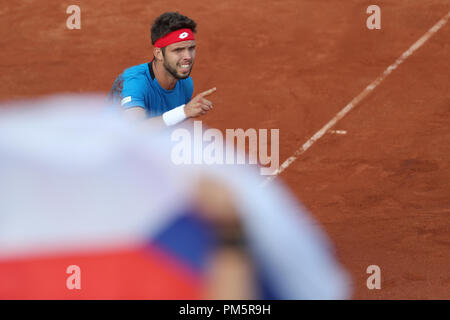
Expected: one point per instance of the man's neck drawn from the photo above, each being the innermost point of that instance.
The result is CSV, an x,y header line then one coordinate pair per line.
x,y
164,78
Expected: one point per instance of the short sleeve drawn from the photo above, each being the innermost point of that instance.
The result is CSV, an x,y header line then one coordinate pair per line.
x,y
133,93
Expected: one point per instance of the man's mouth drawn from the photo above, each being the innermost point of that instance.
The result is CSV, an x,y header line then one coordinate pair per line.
x,y
185,66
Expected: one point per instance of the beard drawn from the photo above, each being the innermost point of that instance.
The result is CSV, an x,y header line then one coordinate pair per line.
x,y
173,71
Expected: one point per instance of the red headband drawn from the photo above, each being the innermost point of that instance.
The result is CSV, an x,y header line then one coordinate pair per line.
x,y
174,37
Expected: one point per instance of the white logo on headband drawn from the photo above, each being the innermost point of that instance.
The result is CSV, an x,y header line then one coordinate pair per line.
x,y
183,35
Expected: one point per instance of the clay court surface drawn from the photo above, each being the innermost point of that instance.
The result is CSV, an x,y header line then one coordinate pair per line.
x,y
381,191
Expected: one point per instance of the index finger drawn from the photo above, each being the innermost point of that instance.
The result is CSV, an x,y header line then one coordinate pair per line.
x,y
207,92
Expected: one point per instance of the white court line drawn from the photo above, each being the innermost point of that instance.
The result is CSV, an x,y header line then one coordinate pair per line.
x,y
358,98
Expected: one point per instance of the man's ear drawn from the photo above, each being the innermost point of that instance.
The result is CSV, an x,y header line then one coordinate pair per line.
x,y
157,53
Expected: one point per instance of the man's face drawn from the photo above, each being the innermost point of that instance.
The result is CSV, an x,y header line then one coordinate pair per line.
x,y
179,58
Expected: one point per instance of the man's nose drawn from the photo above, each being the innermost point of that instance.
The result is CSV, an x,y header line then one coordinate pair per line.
x,y
187,55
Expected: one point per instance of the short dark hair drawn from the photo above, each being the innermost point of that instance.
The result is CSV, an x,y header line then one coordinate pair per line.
x,y
169,22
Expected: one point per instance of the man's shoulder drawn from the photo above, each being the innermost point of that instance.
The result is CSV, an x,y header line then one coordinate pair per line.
x,y
138,71
187,86
188,80
187,83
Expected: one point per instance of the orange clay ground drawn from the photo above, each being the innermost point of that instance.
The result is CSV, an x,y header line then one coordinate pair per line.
x,y
382,191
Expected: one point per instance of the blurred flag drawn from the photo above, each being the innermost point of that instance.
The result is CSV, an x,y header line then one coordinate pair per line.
x,y
81,187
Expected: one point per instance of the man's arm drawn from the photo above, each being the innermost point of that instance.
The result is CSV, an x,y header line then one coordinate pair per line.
x,y
199,105
138,115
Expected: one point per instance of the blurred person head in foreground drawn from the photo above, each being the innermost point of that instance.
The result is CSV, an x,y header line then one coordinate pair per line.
x,y
91,208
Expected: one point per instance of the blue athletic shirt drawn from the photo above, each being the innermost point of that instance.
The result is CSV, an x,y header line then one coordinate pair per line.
x,y
138,86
